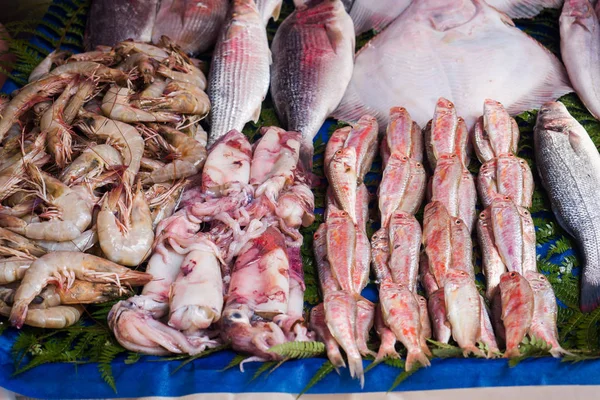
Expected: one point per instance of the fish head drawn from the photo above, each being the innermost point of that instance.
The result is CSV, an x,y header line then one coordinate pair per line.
x,y
578,11
555,117
436,211
537,281
346,157
455,278
402,218
511,280
380,240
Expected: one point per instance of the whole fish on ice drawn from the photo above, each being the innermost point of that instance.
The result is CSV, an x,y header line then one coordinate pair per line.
x,y
569,166
449,49
313,53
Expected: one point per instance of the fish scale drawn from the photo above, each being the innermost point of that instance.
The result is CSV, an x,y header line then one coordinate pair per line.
x,y
568,162
313,58
239,73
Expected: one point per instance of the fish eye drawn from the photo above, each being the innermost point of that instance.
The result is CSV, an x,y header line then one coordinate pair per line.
x,y
458,222
236,315
513,274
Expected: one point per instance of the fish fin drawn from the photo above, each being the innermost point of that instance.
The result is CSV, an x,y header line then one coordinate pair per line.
x,y
554,85
334,34
276,12
351,108
386,352
416,355
590,292
355,365
299,4
365,18
558,352
512,353
256,114
527,8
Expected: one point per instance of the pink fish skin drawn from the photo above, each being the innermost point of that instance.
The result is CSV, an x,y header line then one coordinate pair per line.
x,y
443,131
340,314
498,125
493,266
405,244
394,184
401,313
426,331
462,247
517,310
341,247
362,262
436,305
336,142
543,324
386,337
506,175
403,135
319,326
437,240
326,278
363,138
365,315
380,250
343,179
427,279
487,331
463,309
415,188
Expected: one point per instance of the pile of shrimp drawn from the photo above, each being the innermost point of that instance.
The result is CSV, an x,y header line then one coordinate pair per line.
x,y
227,264
95,152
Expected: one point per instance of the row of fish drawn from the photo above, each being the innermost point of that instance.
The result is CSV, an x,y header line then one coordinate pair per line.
x,y
518,300
227,265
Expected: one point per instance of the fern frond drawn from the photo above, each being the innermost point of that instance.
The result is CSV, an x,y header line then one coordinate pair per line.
x,y
200,355
299,349
263,368
235,361
403,376
322,372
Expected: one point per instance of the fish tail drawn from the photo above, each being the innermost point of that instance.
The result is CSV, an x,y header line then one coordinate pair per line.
x,y
590,294
414,356
356,369
512,352
386,352
335,357
558,352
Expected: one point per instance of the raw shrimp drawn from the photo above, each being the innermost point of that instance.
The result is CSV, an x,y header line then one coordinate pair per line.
x,y
71,214
85,292
52,318
28,96
180,97
88,68
64,266
84,91
58,139
196,78
115,105
151,91
15,241
124,137
163,199
13,269
82,243
12,171
143,63
127,244
91,163
190,157
100,55
128,47
55,57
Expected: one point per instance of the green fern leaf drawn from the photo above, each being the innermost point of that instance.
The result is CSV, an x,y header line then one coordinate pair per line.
x,y
299,349
325,370
403,376
235,361
263,368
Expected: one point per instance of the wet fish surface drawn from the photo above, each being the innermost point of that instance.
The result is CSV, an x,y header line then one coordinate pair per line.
x,y
111,22
313,58
449,49
194,25
569,166
239,71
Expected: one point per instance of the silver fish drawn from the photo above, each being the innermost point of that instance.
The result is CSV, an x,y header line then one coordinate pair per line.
x,y
313,58
193,24
111,22
239,71
569,166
